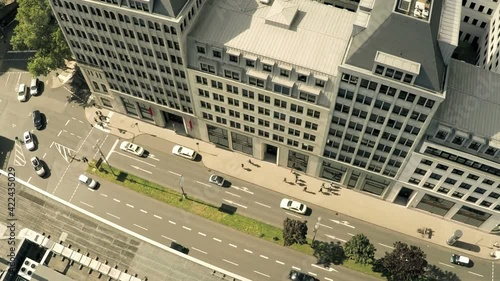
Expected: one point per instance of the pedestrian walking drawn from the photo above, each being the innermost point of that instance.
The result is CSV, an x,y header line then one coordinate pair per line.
x,y
250,161
243,166
305,188
85,160
321,189
284,179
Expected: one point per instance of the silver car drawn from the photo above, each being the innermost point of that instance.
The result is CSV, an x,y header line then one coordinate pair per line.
x,y
38,166
218,180
87,181
28,141
132,148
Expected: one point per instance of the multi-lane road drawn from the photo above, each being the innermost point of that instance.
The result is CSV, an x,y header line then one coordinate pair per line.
x,y
68,136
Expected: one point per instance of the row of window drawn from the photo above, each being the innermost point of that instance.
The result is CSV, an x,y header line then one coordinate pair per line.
x,y
402,95
464,141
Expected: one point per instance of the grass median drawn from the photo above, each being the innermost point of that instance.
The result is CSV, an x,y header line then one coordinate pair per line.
x,y
203,209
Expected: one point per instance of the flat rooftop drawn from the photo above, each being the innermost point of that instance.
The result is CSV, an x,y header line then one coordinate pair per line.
x,y
316,38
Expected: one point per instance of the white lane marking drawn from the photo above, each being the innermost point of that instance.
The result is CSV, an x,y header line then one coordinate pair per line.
x,y
262,274
236,195
384,245
59,133
111,150
158,217
186,228
44,155
477,274
128,205
89,189
231,202
217,239
109,214
344,223
168,238
244,189
296,268
174,173
350,234
264,257
80,121
329,269
232,245
151,156
72,134
65,131
144,211
72,118
202,234
264,205
105,195
141,169
79,137
199,250
29,179
51,145
293,215
86,204
280,262
202,183
131,157
327,226
248,251
114,199
136,225
312,273
446,264
336,238
172,222
233,263
328,279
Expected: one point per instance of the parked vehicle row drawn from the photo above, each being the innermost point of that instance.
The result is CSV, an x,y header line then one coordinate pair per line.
x,y
22,90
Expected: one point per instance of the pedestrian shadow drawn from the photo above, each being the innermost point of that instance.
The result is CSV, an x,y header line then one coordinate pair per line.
x,y
311,192
255,164
247,169
301,184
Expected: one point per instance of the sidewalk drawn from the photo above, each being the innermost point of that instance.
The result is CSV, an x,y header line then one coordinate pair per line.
x,y
270,176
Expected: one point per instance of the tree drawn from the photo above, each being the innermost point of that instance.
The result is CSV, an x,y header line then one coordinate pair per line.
x,y
360,249
294,231
404,263
38,30
328,253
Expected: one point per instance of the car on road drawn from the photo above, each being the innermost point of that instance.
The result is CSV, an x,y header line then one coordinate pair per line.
x,y
37,119
132,148
28,141
87,181
460,260
299,276
179,247
218,180
293,206
22,94
34,87
38,166
184,152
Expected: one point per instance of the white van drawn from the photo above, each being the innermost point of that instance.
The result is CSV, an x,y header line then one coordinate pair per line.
x,y
34,87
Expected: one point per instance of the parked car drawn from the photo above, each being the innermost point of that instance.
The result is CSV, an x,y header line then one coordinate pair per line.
x,y
87,181
293,206
37,119
28,141
34,87
184,152
22,94
179,247
38,166
218,180
299,276
132,148
460,260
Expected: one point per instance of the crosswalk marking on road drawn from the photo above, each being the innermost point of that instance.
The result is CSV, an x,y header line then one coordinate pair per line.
x,y
19,159
65,151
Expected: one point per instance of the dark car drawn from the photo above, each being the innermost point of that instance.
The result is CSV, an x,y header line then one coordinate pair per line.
x,y
37,119
179,247
299,276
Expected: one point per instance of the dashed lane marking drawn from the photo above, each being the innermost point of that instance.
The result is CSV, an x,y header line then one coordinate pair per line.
x,y
173,240
217,239
336,238
244,189
260,273
446,264
203,252
324,225
248,251
264,205
202,183
158,217
186,228
144,211
111,215
329,269
232,245
387,246
136,225
312,273
174,223
88,205
477,274
239,205
174,173
296,268
116,200
264,257
293,215
233,263
235,195
202,234
128,205
280,262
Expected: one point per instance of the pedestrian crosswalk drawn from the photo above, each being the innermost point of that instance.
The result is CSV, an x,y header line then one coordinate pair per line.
x,y
66,152
19,159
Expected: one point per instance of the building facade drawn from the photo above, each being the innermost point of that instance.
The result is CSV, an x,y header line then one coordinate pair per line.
x,y
358,98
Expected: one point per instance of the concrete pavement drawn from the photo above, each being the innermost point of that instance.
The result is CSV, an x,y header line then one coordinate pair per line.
x,y
270,176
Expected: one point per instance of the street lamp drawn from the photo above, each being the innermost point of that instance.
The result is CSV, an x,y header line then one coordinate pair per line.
x,y
316,227
102,155
198,145
181,184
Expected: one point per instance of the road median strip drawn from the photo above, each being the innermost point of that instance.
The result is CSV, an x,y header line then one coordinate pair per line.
x,y
209,211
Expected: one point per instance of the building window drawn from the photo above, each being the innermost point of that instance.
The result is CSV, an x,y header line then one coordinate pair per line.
x,y
217,54
233,58
200,49
281,89
267,67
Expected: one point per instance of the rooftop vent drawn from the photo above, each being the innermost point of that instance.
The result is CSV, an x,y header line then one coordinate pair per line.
x,y
281,14
404,5
28,268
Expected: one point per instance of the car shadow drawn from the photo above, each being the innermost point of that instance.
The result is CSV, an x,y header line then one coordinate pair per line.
x,y
48,173
41,88
43,118
308,212
198,158
35,142
145,154
227,184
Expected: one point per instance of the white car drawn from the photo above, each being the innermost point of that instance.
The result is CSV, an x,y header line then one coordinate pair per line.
x,y
28,141
218,180
22,94
460,260
132,148
37,165
293,206
184,152
87,181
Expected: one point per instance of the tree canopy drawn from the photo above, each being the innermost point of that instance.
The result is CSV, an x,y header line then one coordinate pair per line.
x,y
404,263
294,231
360,249
38,30
327,253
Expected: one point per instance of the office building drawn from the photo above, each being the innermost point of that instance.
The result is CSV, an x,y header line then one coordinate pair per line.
x,y
351,97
